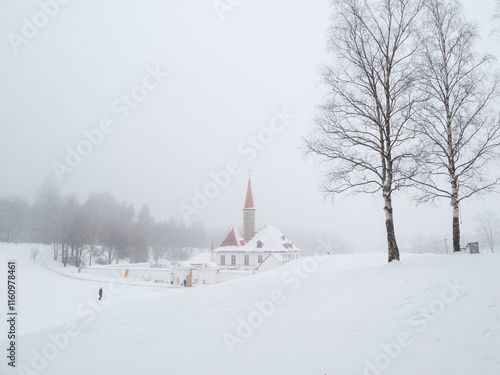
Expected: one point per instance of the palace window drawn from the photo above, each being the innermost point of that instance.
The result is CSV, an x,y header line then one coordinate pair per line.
x,y
233,260
247,260
222,260
259,244
260,259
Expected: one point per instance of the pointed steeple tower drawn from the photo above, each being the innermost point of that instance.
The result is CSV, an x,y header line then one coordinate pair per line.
x,y
249,198
249,214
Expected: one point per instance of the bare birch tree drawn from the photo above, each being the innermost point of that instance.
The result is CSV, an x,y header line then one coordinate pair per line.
x,y
459,126
363,131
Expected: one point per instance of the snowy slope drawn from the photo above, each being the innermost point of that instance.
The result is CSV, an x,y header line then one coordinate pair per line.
x,y
343,314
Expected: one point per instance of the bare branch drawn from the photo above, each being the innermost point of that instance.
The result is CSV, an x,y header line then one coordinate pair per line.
x,y
364,134
460,129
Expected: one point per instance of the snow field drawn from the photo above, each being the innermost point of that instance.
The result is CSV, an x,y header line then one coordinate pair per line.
x,y
340,314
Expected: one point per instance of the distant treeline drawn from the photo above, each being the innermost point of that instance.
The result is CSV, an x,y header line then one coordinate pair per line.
x,y
99,230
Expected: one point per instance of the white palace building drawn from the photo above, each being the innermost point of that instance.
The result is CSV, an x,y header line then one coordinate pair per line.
x,y
250,250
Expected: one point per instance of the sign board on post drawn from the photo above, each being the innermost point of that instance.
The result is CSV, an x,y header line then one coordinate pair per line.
x,y
474,248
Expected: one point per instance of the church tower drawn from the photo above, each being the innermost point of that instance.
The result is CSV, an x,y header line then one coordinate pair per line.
x,y
249,215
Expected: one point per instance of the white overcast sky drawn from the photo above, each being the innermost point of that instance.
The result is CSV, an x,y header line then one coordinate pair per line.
x,y
225,78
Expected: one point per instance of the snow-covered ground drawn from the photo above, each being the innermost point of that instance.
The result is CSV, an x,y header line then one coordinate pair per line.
x,y
342,314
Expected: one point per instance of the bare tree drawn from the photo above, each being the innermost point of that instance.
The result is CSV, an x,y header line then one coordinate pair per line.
x,y
363,131
48,205
34,252
459,126
92,245
488,227
138,249
67,227
108,239
79,236
7,217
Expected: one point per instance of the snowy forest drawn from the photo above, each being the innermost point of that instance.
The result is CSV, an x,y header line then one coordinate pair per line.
x,y
100,230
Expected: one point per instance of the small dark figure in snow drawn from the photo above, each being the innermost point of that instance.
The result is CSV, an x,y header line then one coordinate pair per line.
x,y
100,294
184,282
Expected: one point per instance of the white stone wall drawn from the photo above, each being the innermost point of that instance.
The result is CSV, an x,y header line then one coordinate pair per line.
x,y
226,275
103,271
204,276
151,274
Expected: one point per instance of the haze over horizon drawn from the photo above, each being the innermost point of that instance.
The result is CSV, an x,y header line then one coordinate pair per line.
x,y
173,97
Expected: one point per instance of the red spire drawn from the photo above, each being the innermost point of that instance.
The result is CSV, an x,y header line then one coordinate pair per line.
x,y
249,199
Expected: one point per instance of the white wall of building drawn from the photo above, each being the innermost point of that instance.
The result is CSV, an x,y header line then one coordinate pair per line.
x,y
103,271
269,263
204,274
226,275
150,274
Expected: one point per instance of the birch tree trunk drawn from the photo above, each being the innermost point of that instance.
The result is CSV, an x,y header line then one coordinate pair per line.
x,y
456,217
393,250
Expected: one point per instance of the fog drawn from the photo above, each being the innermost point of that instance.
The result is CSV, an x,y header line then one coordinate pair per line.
x,y
155,100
